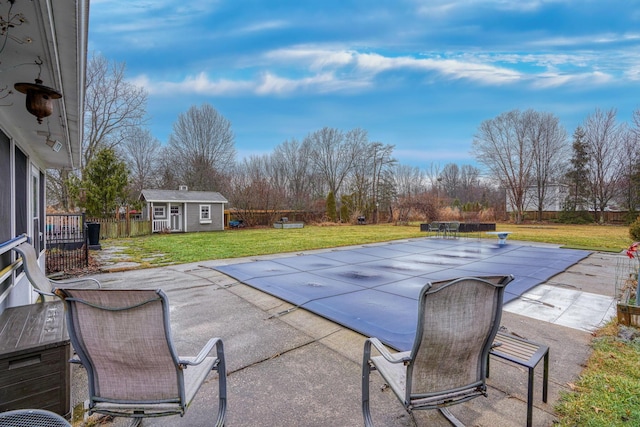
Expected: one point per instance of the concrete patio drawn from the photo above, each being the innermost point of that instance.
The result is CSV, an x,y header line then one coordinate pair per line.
x,y
298,369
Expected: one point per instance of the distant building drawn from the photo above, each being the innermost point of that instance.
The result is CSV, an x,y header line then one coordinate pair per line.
x,y
554,200
182,211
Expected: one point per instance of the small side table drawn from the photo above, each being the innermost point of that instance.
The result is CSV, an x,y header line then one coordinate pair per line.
x,y
524,353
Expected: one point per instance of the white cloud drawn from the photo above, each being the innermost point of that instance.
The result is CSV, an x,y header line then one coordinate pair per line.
x,y
633,73
324,70
199,84
314,57
588,40
549,80
440,8
371,64
263,26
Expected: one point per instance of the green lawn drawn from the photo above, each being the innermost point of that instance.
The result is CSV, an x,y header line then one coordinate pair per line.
x,y
164,249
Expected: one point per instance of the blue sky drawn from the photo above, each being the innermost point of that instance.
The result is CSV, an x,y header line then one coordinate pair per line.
x,y
418,74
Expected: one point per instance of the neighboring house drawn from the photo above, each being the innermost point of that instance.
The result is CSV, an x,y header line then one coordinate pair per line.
x,y
554,200
45,40
183,211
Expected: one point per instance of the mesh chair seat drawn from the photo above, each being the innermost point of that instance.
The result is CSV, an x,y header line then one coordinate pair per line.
x,y
123,339
32,418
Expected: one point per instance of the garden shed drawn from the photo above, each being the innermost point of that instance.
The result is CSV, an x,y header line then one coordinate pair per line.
x,y
182,211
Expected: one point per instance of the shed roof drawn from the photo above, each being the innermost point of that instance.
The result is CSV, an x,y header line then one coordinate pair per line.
x,y
182,196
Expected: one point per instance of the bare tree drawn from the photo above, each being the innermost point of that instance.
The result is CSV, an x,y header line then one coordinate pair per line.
x,y
503,145
294,161
368,175
603,137
550,150
450,180
333,154
433,174
112,106
629,185
382,162
141,152
409,183
254,193
470,184
635,126
202,148
633,148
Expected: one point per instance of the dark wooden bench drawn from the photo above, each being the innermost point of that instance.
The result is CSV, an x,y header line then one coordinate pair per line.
x,y
524,353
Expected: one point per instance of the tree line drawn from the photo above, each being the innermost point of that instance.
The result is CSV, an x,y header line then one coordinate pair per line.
x,y
342,174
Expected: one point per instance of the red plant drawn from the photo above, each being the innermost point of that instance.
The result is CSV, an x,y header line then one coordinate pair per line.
x,y
633,249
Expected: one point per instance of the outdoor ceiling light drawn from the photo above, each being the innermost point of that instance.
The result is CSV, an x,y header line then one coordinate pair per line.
x,y
55,145
39,98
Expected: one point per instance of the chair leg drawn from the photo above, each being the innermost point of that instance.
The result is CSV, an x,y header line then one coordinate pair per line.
x,y
222,385
449,416
366,370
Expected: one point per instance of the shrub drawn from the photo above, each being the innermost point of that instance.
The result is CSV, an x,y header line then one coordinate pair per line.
x,y
634,230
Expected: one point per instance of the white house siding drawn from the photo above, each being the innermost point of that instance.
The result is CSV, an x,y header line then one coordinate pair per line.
x,y
58,32
555,197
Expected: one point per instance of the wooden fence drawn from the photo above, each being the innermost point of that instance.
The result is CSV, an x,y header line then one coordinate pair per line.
x,y
112,228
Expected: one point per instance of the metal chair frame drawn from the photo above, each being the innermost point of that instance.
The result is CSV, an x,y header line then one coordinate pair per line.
x,y
427,359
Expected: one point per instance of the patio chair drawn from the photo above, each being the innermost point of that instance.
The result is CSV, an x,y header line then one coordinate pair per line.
x,y
40,282
434,227
457,322
452,228
123,339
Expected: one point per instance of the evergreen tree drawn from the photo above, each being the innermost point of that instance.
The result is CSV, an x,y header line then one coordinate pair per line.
x,y
105,179
577,175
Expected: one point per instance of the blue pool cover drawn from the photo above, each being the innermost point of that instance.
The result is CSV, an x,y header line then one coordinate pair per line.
x,y
373,290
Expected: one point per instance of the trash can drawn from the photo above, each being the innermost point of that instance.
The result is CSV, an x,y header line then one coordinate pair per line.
x,y
93,235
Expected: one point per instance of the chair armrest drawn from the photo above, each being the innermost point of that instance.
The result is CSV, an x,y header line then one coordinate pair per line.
x,y
213,342
43,293
390,357
62,283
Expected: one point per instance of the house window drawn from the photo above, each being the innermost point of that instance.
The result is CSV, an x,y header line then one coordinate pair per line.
x,y
205,214
158,212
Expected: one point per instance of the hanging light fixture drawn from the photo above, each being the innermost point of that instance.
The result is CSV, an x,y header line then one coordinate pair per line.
x,y
39,97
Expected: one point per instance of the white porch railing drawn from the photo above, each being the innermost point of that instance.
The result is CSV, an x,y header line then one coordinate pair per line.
x,y
160,225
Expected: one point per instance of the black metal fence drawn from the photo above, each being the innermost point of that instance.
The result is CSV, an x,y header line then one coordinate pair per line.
x,y
66,237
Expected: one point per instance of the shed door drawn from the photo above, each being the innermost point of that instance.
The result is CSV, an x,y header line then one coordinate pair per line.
x,y
176,217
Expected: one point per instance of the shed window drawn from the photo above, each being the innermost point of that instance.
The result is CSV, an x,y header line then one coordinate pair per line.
x,y
159,212
205,214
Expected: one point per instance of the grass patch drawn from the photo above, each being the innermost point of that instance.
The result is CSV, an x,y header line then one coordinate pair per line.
x,y
608,391
592,237
178,248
